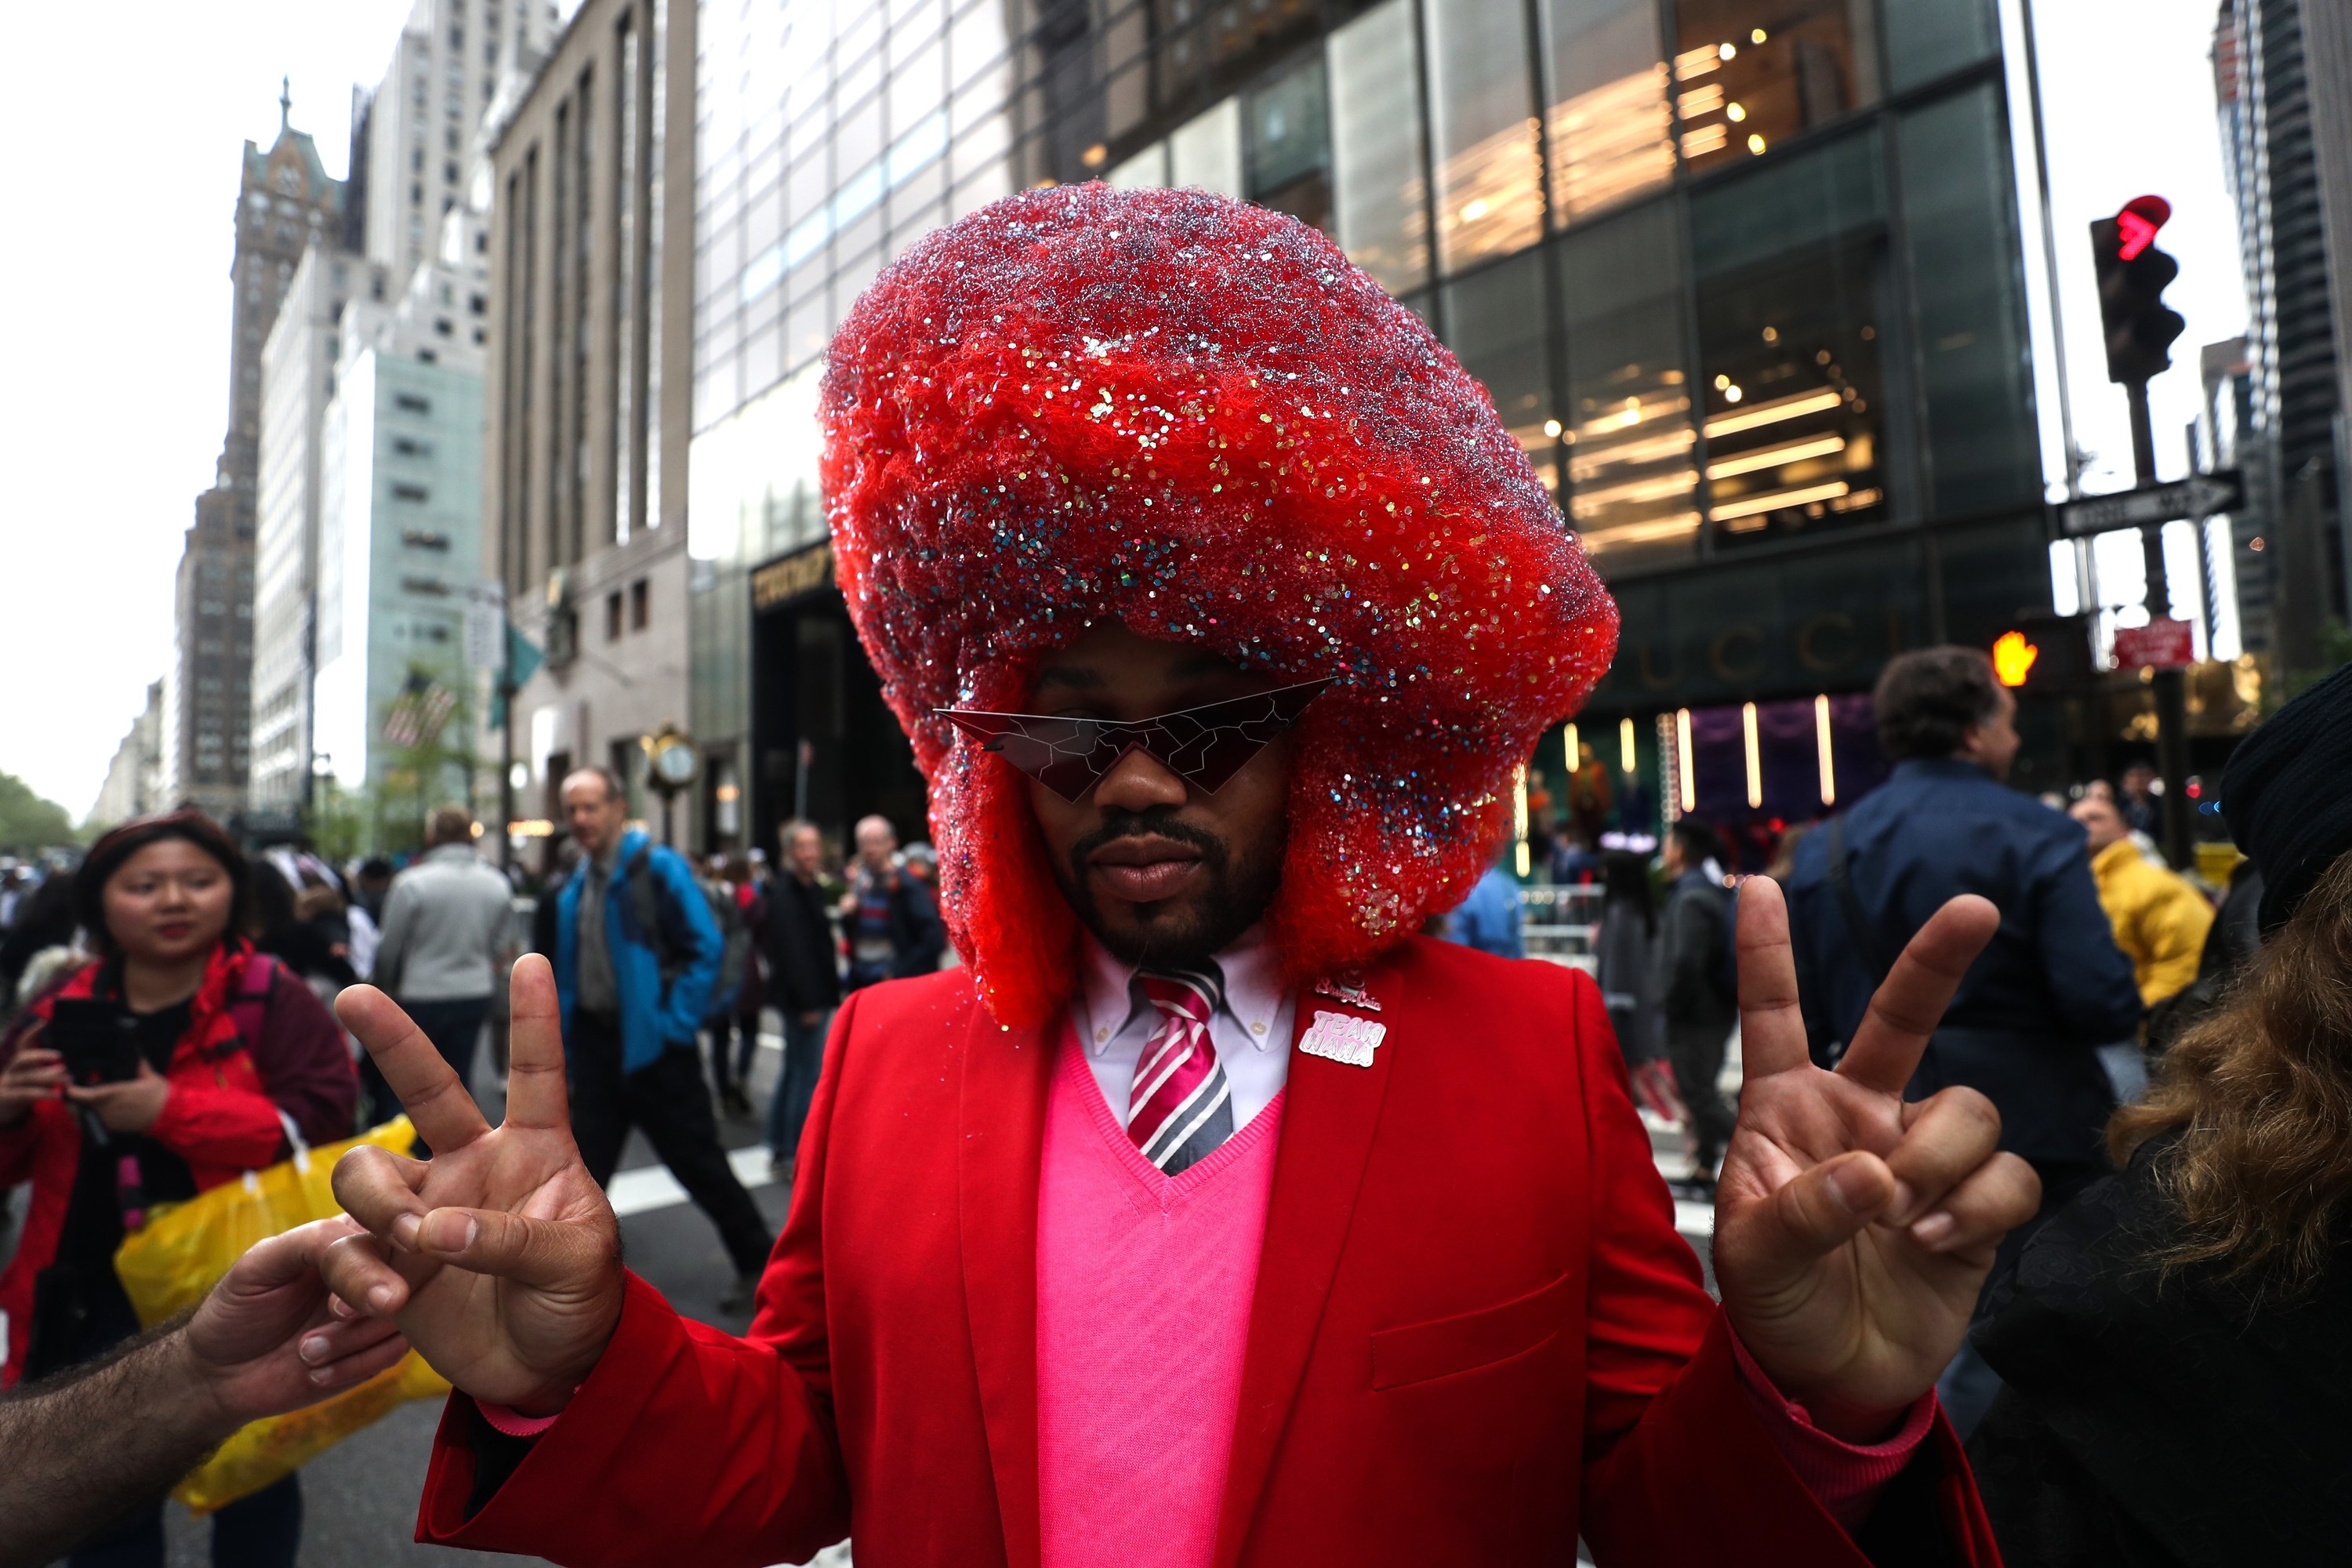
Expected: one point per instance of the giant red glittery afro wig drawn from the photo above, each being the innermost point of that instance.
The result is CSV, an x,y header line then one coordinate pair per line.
x,y
1197,417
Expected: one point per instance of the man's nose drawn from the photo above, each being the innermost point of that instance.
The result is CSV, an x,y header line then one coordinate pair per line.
x,y
1138,782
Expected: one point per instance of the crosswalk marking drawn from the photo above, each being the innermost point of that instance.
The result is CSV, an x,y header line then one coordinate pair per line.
x,y
650,1187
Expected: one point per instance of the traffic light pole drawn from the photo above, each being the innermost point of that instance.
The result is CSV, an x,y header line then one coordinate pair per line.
x,y
506,760
2171,684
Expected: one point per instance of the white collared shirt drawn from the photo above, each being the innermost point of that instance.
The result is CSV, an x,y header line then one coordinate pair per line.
x,y
1251,1032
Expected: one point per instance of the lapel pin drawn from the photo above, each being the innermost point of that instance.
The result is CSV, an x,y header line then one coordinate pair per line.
x,y
1340,1037
1347,993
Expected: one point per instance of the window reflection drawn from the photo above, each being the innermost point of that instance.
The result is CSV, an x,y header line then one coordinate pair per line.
x,y
1749,74
1633,487
1610,131
1495,323
1290,146
1482,131
1379,201
1794,285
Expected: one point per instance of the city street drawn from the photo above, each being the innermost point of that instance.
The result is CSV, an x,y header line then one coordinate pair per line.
x,y
360,1497
1134,524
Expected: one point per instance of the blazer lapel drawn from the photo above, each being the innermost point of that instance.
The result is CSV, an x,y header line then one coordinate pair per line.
x,y
1330,1110
1001,1122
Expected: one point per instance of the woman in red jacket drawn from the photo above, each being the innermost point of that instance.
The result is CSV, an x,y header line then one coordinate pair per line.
x,y
234,1053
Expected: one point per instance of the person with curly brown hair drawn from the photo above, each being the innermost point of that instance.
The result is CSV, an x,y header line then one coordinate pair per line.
x,y
2173,1343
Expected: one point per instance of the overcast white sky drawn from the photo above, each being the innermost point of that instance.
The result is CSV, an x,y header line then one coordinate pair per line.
x,y
124,122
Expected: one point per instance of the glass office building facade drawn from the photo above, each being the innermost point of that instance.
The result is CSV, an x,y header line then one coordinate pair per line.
x,y
1744,277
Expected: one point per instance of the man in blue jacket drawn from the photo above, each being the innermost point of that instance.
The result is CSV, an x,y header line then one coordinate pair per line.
x,y
633,968
2052,986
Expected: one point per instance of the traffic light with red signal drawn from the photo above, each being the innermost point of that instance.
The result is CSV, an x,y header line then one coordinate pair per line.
x,y
2133,274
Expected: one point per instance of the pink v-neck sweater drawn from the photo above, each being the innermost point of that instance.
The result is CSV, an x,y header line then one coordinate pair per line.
x,y
1143,1302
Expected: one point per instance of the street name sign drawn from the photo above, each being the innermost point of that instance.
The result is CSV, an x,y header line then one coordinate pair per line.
x,y
2198,496
2159,645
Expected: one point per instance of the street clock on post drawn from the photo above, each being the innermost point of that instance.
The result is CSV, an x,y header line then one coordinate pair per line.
x,y
672,765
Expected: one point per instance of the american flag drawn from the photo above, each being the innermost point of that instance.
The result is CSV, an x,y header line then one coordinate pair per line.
x,y
419,712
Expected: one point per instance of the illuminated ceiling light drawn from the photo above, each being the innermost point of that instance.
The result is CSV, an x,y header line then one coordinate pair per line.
x,y
1732,395
1771,334
1749,462
1772,413
1756,143
1551,428
1625,745
1827,754
1575,750
1721,381
1757,506
1755,755
1474,211
1726,52
1694,63
1095,156
1757,37
1735,113
1689,764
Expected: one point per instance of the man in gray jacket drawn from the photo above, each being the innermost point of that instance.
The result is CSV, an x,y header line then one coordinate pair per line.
x,y
447,927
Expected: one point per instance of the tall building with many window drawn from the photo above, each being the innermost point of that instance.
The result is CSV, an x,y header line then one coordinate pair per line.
x,y
2280,86
443,78
1745,280
400,547
285,202
297,378
584,408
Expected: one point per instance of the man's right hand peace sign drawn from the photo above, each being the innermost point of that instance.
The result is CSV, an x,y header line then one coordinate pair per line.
x,y
499,1257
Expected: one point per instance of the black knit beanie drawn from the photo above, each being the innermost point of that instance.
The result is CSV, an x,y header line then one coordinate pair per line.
x,y
2287,793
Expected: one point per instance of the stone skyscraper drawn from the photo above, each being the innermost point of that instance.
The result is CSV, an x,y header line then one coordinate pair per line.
x,y
285,201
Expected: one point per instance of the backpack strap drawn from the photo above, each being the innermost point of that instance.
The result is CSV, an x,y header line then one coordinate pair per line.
x,y
646,901
250,1008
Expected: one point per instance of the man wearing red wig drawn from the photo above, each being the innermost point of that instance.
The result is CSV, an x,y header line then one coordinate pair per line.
x,y
1206,1216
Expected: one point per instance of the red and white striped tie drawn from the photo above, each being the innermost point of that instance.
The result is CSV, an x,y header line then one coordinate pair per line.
x,y
1180,1107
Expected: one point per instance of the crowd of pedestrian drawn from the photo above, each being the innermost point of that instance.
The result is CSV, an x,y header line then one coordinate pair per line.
x,y
2187,1220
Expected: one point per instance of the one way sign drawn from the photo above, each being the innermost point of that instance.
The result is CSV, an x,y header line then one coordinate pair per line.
x,y
2198,496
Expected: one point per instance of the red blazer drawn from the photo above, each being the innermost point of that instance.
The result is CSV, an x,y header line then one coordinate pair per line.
x,y
1476,1332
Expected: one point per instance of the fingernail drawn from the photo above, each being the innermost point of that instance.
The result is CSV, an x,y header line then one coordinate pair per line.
x,y
1906,1200
1934,1230
322,1374
340,1308
405,1230
452,1232
1855,1187
314,1348
380,1298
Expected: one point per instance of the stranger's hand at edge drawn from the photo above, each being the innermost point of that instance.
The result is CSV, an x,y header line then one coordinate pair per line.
x,y
263,1343
1853,1230
499,1257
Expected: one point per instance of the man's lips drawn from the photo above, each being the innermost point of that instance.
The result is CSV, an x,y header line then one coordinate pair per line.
x,y
1145,870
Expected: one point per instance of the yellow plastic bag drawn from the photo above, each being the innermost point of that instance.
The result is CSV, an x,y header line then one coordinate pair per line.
x,y
168,1264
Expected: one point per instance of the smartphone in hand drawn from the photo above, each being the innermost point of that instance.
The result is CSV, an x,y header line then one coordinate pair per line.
x,y
98,1039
